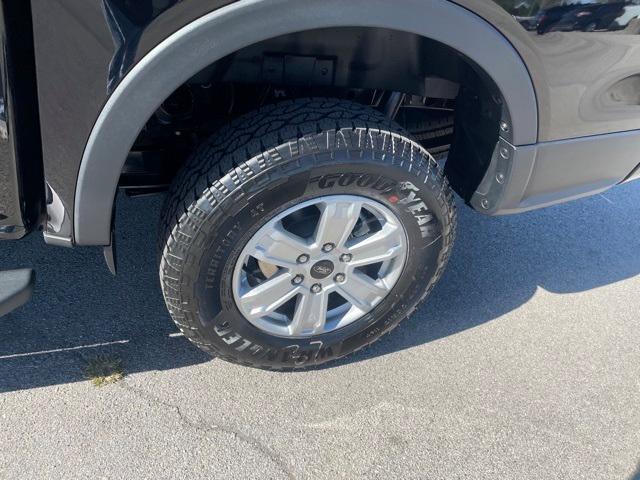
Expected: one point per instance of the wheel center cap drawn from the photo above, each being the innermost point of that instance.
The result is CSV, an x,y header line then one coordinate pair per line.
x,y
322,269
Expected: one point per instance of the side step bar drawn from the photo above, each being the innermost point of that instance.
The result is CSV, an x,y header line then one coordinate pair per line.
x,y
16,287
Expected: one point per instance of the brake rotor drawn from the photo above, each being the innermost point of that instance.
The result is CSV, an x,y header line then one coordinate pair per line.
x,y
267,269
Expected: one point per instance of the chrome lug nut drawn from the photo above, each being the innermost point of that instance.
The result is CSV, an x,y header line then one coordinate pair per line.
x,y
346,257
297,280
327,247
304,258
340,277
316,288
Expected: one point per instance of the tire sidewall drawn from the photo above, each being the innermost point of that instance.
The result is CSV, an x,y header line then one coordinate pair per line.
x,y
205,283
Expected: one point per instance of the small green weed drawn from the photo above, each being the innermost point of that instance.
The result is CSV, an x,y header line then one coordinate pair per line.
x,y
103,370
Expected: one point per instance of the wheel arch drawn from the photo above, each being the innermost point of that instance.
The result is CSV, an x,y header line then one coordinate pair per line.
x,y
246,22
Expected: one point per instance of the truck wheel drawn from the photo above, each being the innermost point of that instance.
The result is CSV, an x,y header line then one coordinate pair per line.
x,y
303,232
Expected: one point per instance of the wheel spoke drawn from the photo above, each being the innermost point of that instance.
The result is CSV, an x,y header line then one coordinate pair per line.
x,y
337,222
362,291
378,247
268,296
280,247
310,315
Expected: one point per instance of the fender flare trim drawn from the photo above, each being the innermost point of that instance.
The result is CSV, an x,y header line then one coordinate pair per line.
x,y
245,22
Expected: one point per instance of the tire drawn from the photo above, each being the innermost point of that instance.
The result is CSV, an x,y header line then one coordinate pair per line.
x,y
263,163
433,129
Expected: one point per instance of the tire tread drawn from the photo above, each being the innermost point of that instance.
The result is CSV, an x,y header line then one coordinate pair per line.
x,y
257,141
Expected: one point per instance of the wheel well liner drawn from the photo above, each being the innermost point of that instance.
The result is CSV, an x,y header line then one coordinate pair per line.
x,y
246,22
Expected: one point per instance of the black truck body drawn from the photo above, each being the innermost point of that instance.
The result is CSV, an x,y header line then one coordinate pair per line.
x,y
572,92
99,96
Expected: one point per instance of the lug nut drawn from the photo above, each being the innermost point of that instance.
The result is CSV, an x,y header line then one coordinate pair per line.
x,y
304,258
297,280
340,277
346,257
316,288
327,247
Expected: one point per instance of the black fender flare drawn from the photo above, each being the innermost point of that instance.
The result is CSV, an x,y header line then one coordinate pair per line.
x,y
245,22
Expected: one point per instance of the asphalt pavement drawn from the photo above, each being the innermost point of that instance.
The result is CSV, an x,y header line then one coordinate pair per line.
x,y
524,364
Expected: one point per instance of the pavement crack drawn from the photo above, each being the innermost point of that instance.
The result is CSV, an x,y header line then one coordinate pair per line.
x,y
207,428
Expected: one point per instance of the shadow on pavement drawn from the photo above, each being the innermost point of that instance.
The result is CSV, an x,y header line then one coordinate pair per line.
x,y
498,263
79,310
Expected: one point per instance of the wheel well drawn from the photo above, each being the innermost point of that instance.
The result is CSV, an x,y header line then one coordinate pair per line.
x,y
442,88
476,52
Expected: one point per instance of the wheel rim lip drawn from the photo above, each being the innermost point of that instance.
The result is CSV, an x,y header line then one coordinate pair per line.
x,y
343,312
